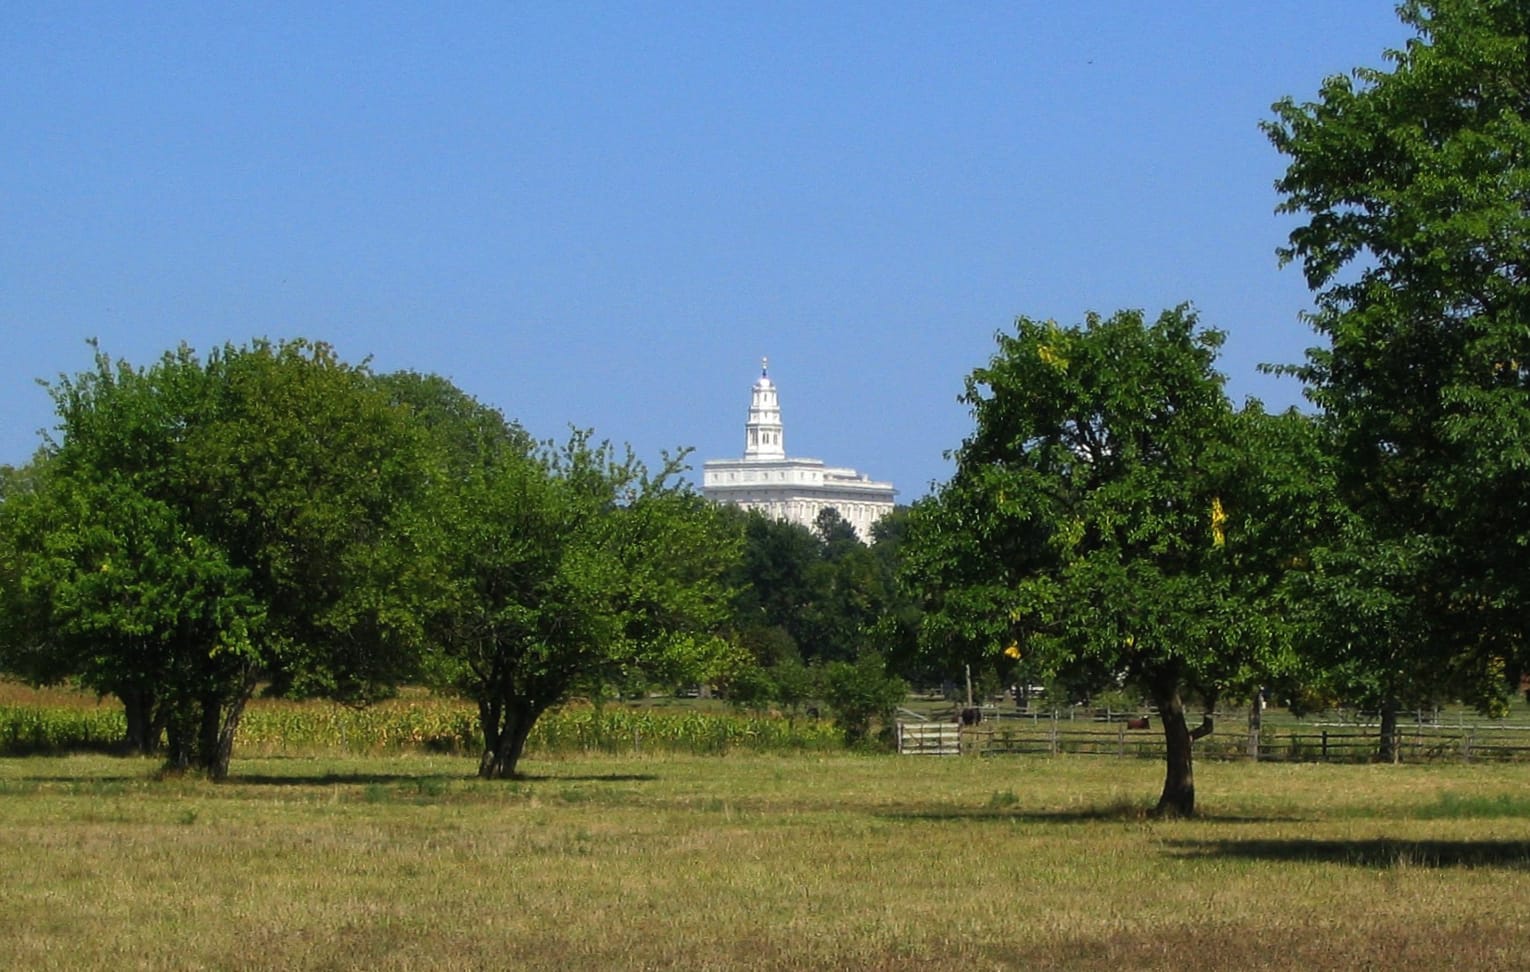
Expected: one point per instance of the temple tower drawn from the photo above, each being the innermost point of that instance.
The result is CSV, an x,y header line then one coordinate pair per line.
x,y
763,435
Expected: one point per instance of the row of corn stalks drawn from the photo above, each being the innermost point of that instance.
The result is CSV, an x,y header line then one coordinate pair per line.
x,y
435,725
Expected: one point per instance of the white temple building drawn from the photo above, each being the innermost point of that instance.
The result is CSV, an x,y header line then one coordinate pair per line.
x,y
795,490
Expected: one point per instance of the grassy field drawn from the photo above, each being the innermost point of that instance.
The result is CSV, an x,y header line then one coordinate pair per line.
x,y
757,861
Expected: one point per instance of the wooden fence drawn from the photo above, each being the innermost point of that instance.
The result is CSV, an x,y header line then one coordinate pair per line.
x,y
929,738
1314,742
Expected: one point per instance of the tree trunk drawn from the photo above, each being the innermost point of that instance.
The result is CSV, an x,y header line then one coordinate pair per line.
x,y
145,724
201,733
1386,750
219,745
220,722
1178,798
491,765
488,725
517,744
505,728
210,720
180,736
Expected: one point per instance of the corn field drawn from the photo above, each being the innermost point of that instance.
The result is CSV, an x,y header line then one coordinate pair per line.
x,y
271,727
25,730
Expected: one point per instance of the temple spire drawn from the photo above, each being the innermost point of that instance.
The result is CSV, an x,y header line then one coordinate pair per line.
x,y
764,437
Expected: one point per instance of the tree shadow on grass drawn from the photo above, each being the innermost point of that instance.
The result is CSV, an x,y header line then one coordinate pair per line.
x,y
333,779
1109,813
22,749
232,780
1378,853
586,778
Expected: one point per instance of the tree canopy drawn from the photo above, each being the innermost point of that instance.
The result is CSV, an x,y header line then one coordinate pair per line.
x,y
1105,520
1413,184
555,568
202,525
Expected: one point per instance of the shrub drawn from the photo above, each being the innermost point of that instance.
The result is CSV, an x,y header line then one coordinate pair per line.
x,y
861,692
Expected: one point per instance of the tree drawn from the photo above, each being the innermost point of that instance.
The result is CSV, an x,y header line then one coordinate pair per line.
x,y
111,588
1414,187
823,588
557,568
110,584
1373,622
202,526
896,629
834,531
860,692
776,583
1371,632
849,598
32,556
1102,522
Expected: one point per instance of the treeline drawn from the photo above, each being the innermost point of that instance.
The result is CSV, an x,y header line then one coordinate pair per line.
x,y
270,516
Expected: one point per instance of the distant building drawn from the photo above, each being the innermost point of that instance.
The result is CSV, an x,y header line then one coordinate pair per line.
x,y
795,490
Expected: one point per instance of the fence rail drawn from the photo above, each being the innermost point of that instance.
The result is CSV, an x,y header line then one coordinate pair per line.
x,y
929,738
1116,736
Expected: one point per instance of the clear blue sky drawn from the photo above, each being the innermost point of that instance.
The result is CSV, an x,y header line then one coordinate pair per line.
x,y
604,214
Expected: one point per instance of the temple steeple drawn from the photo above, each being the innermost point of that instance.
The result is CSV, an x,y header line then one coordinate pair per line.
x,y
763,435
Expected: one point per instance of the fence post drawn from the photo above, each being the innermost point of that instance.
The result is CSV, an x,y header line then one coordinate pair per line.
x,y
1255,724
1052,742
1121,741
1325,745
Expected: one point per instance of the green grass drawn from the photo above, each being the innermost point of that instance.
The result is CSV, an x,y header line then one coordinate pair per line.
x,y
759,861
1452,806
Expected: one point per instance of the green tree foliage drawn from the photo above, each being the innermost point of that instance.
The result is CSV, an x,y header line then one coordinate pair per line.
x,y
860,693
896,629
1413,184
273,515
23,615
204,525
816,595
776,582
1370,632
558,569
1107,521
809,598
849,594
835,533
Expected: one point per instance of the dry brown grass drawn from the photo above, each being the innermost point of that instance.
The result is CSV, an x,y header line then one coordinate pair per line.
x,y
52,696
760,862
